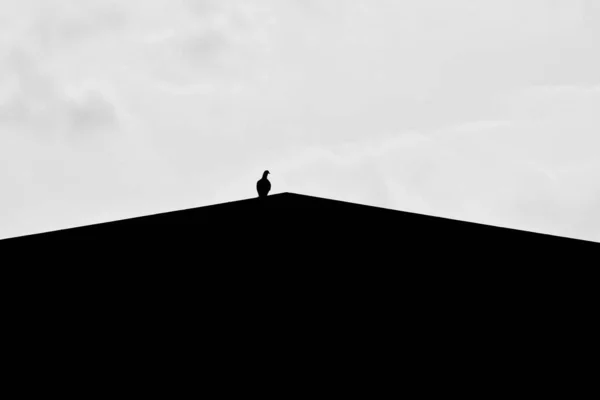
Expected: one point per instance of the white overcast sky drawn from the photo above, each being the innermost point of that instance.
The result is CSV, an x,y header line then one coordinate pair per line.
x,y
485,111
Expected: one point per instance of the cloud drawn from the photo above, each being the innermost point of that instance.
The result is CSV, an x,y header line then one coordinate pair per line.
x,y
472,109
91,113
37,105
537,171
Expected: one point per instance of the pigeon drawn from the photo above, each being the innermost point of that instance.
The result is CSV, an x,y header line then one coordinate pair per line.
x,y
263,186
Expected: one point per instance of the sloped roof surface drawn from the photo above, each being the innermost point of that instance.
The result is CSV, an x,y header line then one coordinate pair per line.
x,y
289,222
296,263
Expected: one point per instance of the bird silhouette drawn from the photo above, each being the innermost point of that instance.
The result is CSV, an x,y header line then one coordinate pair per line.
x,y
263,186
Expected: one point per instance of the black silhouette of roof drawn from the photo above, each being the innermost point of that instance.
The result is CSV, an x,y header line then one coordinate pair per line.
x,y
311,226
302,278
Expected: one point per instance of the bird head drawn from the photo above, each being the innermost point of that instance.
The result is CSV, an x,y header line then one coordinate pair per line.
x,y
265,174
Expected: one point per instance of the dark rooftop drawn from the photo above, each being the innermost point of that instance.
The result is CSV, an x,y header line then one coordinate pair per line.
x,y
310,281
322,230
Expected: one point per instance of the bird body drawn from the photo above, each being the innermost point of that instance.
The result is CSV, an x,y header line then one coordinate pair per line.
x,y
263,186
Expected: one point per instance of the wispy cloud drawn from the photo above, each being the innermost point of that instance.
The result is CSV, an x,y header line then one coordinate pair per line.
x,y
475,110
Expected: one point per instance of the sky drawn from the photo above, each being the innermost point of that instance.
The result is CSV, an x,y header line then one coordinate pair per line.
x,y
484,111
